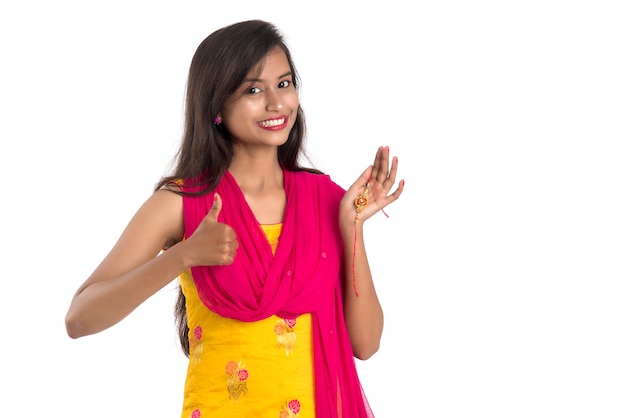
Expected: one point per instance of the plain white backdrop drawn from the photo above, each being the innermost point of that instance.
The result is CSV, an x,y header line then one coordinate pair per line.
x,y
501,269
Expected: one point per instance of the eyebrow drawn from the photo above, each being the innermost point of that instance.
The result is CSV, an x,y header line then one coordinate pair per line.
x,y
248,80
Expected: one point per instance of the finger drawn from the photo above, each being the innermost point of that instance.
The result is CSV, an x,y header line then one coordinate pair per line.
x,y
234,242
396,194
216,208
384,167
232,248
363,178
382,164
391,178
377,163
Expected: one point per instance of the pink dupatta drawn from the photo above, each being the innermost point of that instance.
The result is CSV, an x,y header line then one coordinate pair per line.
x,y
303,276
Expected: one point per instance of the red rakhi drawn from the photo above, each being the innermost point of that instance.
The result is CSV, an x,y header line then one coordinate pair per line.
x,y
361,203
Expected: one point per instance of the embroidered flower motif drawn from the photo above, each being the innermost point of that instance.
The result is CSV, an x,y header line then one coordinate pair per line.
x,y
290,410
236,379
195,344
285,334
196,413
197,332
294,405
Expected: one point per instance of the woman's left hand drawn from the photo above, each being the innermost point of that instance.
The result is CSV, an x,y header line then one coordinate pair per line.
x,y
374,185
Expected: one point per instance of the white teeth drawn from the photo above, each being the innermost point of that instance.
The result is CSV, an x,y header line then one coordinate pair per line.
x,y
273,122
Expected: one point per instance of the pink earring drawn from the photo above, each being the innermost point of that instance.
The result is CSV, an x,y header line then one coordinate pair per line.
x,y
218,120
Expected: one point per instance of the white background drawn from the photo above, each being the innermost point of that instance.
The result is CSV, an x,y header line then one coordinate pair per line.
x,y
500,270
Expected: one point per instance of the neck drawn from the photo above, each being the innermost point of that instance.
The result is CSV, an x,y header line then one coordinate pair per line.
x,y
254,175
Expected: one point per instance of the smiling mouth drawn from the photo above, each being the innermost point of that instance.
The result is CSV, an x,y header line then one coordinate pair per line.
x,y
272,122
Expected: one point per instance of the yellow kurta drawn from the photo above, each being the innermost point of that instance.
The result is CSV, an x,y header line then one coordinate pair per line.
x,y
247,369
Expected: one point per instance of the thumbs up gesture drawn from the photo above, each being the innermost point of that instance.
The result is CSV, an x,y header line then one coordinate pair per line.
x,y
213,243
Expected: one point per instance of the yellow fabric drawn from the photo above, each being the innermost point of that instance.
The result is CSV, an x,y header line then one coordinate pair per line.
x,y
247,369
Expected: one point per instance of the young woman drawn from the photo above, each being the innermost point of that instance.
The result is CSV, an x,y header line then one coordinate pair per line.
x,y
276,294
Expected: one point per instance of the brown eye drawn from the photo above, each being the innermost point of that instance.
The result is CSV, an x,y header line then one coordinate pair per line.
x,y
253,90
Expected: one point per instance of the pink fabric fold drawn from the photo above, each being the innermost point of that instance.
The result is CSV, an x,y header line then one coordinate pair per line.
x,y
303,276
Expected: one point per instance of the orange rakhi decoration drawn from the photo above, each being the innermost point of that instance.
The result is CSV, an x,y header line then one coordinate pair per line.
x,y
360,203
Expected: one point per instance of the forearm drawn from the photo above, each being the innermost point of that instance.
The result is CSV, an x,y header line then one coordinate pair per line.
x,y
362,309
104,303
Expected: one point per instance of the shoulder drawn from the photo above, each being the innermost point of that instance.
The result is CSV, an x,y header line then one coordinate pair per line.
x,y
321,181
158,221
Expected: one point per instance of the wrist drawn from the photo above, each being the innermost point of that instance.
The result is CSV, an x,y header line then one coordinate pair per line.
x,y
349,226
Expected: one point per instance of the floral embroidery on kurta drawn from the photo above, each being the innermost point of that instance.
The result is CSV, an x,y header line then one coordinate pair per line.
x,y
195,345
290,410
285,334
236,376
196,413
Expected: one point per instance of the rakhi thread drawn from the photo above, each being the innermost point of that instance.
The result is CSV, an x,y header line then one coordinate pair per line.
x,y
360,203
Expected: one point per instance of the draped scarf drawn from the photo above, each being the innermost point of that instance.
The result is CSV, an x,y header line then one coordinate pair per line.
x,y
303,276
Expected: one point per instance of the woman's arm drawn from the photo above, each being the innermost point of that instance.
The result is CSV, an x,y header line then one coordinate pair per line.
x,y
362,310
131,272
135,268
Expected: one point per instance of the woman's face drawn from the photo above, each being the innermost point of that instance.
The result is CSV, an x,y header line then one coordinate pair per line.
x,y
264,108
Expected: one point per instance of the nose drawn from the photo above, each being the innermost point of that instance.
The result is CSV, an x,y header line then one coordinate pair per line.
x,y
273,99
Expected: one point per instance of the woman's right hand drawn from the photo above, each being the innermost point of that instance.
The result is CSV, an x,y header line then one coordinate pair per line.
x,y
213,243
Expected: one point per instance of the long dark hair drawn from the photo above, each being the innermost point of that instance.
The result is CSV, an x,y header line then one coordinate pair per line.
x,y
218,67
